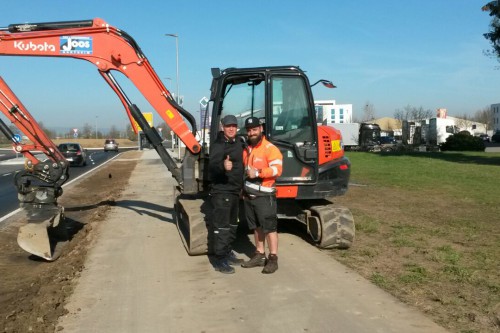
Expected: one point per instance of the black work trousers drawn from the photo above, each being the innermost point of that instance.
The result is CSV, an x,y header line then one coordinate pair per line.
x,y
224,222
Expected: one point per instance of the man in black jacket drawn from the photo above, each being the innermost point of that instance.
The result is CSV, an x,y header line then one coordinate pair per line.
x,y
225,169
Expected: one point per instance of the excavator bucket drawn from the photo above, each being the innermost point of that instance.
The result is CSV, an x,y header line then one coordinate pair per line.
x,y
45,234
192,219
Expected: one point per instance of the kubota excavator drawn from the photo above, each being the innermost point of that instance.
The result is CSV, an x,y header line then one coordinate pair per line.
x,y
315,168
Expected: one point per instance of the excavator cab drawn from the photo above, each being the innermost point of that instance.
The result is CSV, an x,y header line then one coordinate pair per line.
x,y
314,165
280,98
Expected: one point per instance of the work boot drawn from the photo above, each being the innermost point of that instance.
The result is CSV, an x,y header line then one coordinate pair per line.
x,y
271,264
258,259
221,265
232,259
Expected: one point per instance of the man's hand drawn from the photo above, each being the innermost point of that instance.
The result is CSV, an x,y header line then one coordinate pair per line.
x,y
252,173
228,165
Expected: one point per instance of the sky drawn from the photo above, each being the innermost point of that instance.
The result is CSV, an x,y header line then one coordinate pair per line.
x,y
386,53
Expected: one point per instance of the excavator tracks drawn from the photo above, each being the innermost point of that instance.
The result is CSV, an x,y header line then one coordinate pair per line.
x,y
331,226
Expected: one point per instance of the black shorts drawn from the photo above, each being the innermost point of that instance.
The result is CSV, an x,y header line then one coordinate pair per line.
x,y
261,212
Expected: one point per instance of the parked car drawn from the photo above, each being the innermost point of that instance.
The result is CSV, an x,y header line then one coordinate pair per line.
x,y
496,137
110,145
484,137
388,143
74,153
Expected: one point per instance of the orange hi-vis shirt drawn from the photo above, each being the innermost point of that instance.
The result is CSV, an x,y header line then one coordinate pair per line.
x,y
268,160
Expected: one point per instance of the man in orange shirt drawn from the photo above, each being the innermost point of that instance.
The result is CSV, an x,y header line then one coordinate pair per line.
x,y
263,164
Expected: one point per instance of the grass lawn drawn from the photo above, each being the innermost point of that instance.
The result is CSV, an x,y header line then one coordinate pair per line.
x,y
428,231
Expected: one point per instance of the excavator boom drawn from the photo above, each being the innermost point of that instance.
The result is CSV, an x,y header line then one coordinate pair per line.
x,y
108,48
111,49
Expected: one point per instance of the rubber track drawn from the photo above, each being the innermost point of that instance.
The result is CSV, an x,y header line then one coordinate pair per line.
x,y
337,226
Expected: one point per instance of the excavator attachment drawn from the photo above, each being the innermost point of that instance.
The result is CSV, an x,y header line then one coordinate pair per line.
x,y
192,215
45,234
40,183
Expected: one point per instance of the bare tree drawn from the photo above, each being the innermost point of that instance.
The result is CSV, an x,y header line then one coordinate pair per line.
x,y
412,113
368,112
113,132
464,122
47,131
130,133
485,116
87,131
403,114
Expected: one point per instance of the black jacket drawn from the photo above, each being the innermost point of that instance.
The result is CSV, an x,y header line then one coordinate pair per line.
x,y
223,181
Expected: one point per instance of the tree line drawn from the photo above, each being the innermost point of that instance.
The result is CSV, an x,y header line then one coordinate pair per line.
x,y
86,132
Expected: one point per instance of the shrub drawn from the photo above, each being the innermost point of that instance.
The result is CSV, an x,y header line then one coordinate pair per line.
x,y
463,141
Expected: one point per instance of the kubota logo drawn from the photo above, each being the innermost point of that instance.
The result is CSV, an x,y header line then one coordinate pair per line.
x,y
77,45
42,47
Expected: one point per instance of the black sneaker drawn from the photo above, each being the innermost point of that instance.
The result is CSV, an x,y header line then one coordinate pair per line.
x,y
258,260
232,259
221,265
271,264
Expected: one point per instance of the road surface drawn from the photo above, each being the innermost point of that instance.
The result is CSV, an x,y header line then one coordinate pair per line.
x,y
8,168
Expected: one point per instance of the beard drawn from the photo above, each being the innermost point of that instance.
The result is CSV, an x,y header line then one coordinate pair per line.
x,y
255,139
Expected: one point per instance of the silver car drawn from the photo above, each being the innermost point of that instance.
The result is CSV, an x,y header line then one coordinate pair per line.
x,y
110,145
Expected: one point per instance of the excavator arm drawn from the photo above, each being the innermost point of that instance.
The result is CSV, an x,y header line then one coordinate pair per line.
x,y
111,49
40,183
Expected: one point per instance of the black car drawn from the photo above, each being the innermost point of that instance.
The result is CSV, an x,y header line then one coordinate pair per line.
x,y
388,143
496,137
74,153
387,140
484,137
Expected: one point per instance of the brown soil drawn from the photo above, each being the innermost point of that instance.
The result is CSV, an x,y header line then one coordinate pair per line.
x,y
33,291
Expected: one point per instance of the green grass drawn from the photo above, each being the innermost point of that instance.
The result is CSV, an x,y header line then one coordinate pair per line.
x,y
414,274
379,280
427,231
473,176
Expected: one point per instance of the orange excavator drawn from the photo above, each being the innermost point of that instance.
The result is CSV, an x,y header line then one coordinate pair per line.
x,y
315,169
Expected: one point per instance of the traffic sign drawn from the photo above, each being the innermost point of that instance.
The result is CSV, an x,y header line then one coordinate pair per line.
x,y
17,138
149,119
204,102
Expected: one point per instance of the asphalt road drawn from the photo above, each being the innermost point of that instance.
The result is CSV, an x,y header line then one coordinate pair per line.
x,y
139,278
8,168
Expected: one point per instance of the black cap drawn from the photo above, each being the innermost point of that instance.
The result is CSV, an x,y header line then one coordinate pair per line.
x,y
229,120
252,122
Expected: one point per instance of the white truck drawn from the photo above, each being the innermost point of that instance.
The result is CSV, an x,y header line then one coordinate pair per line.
x,y
428,132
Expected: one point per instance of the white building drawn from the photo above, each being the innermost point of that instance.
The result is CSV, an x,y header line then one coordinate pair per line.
x,y
330,112
496,117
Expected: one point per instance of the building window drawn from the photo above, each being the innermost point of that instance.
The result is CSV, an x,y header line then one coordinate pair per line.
x,y
319,113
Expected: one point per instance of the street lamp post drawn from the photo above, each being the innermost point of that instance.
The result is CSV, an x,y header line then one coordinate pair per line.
x,y
96,126
177,97
168,78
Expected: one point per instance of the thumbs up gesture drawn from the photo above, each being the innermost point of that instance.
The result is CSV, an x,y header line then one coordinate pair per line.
x,y
228,165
